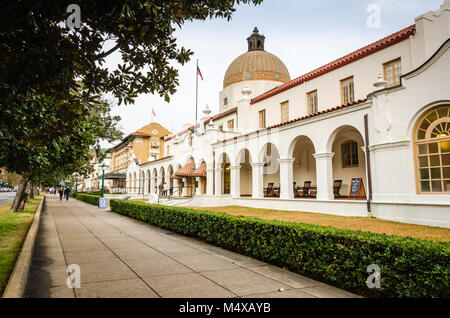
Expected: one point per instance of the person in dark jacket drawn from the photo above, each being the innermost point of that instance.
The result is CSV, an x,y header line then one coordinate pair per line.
x,y
66,193
60,194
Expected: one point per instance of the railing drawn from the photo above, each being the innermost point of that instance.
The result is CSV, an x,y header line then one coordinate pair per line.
x,y
178,192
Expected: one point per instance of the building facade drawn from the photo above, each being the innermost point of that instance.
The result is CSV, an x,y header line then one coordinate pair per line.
x,y
365,135
93,182
144,145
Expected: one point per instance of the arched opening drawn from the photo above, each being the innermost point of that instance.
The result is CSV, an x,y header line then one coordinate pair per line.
x,y
141,182
130,183
170,181
244,160
189,178
155,181
348,161
269,156
177,183
149,183
258,45
224,166
200,174
304,168
134,182
432,151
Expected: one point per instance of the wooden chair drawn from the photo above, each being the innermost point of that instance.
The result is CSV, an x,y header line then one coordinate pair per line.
x,y
304,191
269,190
337,188
276,192
313,192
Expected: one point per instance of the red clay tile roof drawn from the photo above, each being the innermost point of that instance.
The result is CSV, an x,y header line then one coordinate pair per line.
x,y
218,116
201,171
182,132
187,170
160,159
350,58
298,119
221,115
138,133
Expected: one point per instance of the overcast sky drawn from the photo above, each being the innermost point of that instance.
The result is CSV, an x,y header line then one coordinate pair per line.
x,y
304,34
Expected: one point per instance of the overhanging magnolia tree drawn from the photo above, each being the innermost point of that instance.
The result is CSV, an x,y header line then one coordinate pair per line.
x,y
52,73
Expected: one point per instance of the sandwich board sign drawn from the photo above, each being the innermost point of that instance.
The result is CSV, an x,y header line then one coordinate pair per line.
x,y
102,203
357,189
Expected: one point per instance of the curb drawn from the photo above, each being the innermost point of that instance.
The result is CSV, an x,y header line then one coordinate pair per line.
x,y
18,280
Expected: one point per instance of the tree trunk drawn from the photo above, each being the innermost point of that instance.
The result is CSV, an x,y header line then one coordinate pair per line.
x,y
31,186
21,195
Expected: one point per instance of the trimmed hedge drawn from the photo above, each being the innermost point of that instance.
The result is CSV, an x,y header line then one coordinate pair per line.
x,y
91,199
409,267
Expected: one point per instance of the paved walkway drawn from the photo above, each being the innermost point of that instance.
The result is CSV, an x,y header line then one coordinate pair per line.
x,y
120,257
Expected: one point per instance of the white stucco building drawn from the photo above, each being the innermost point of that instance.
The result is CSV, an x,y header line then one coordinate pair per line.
x,y
381,113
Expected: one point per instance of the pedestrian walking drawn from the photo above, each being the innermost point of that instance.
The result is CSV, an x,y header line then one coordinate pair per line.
x,y
60,194
161,189
66,193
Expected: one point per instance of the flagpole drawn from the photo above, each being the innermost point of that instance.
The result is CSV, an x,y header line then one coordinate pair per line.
x,y
196,94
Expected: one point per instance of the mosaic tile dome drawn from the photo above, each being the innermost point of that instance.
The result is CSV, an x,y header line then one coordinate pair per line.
x,y
256,64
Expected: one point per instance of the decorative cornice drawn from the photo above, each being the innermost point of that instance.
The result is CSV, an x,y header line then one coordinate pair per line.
x,y
286,160
326,155
390,145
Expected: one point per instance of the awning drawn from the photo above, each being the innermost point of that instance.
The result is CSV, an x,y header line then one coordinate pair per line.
x,y
187,170
114,176
201,171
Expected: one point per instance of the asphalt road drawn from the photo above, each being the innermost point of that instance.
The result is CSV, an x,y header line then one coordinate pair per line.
x,y
6,197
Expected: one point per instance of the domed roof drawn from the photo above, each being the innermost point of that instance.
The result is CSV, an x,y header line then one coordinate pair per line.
x,y
256,64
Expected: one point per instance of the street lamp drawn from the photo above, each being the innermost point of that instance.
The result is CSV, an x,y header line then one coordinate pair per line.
x,y
76,183
103,166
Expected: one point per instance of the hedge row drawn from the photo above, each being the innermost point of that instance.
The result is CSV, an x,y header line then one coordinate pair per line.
x,y
88,198
409,267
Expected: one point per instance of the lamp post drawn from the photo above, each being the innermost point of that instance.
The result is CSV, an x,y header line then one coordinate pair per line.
x,y
76,184
103,166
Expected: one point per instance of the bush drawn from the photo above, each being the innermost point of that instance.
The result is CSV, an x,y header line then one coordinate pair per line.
x,y
91,199
409,267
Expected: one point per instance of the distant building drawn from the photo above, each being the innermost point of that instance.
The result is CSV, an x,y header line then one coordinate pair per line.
x,y
93,182
144,145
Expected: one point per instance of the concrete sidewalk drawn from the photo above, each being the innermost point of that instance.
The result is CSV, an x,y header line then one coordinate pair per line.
x,y
120,257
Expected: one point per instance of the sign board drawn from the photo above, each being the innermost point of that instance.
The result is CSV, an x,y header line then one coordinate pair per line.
x,y
357,189
102,203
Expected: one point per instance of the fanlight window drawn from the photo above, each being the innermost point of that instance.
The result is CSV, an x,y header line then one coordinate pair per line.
x,y
155,144
433,151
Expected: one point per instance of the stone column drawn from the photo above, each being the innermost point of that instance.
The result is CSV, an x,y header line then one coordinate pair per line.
x,y
218,189
152,184
210,181
185,185
286,178
324,176
167,180
235,181
258,180
198,190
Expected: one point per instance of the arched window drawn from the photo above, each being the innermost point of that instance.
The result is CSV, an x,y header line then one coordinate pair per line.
x,y
155,145
432,143
350,154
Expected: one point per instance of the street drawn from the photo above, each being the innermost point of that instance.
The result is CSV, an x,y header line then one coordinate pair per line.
x,y
6,197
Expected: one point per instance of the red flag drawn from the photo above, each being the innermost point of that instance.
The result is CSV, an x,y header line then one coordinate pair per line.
x,y
153,111
199,73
